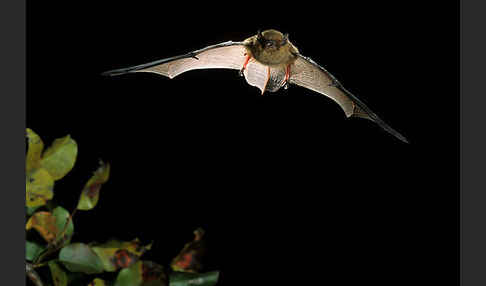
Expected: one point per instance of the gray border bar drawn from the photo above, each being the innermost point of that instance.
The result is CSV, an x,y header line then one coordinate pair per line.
x,y
12,124
473,143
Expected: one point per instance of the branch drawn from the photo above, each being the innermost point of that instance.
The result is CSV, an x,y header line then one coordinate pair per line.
x,y
32,274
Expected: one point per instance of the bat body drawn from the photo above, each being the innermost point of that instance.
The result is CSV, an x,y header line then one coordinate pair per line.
x,y
268,61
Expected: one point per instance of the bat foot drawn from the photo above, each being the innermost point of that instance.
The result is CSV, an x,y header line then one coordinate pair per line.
x,y
247,59
287,76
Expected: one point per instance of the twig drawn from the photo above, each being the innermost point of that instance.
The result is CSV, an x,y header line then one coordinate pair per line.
x,y
56,245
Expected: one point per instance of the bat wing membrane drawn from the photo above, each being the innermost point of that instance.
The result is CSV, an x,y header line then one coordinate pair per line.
x,y
307,73
227,55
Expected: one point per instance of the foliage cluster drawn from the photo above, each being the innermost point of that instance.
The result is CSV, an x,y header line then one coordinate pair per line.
x,y
50,229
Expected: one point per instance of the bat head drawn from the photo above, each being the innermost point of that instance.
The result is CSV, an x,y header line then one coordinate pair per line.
x,y
272,39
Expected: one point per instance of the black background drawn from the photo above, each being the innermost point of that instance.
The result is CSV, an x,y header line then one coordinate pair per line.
x,y
288,189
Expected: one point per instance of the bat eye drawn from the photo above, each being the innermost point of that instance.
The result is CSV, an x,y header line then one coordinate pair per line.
x,y
269,44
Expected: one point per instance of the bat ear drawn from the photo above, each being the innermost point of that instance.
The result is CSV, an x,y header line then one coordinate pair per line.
x,y
285,39
260,37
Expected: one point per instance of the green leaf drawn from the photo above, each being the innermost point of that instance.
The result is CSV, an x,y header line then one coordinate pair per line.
x,y
191,279
91,191
39,187
34,151
29,211
32,250
142,273
60,157
59,277
79,257
62,216
131,276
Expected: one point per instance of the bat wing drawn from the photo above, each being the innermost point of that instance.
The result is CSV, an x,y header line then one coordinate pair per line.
x,y
307,73
227,55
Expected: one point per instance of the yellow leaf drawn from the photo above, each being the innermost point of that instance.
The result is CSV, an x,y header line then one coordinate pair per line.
x,y
135,246
34,151
120,254
60,157
97,282
45,224
107,257
39,187
91,191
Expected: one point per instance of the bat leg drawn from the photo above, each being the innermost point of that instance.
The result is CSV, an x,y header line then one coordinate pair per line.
x,y
247,59
287,76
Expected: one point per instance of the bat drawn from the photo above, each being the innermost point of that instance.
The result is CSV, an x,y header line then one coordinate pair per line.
x,y
268,61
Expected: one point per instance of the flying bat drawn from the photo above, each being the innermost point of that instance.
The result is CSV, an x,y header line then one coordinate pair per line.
x,y
268,61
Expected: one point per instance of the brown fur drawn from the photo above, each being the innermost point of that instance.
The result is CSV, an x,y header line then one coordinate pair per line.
x,y
275,56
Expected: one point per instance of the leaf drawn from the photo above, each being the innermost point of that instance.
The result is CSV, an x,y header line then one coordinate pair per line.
x,y
133,246
114,259
59,277
153,274
45,224
119,254
190,279
189,258
142,273
91,191
79,257
51,225
29,211
97,282
106,256
39,187
34,151
76,278
32,250
60,157
131,276
62,216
